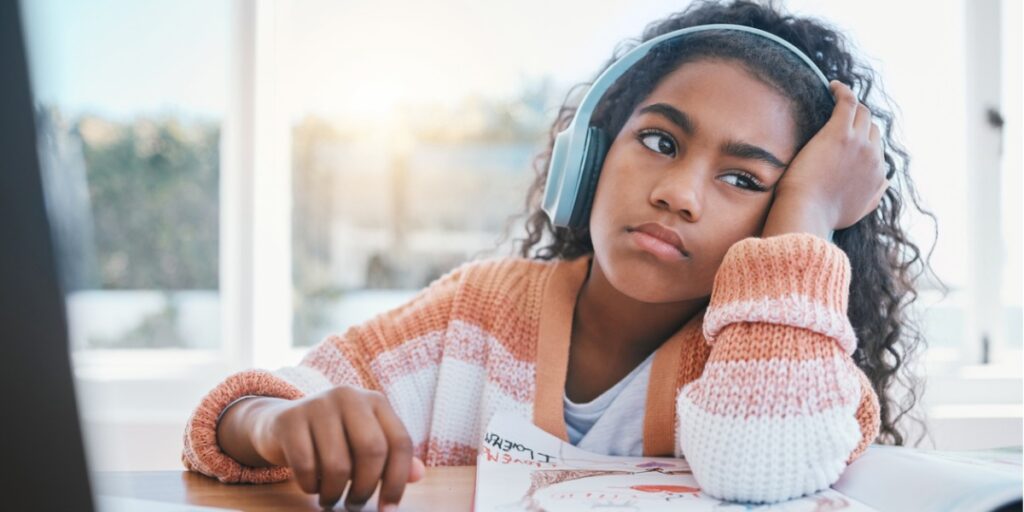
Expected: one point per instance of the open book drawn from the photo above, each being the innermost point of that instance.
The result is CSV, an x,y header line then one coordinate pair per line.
x,y
521,467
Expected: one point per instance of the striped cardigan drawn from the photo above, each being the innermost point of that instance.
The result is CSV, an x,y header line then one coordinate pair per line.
x,y
758,392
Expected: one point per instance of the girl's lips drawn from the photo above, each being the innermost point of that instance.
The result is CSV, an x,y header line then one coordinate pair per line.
x,y
661,249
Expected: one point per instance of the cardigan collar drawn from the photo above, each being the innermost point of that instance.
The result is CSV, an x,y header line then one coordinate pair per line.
x,y
564,282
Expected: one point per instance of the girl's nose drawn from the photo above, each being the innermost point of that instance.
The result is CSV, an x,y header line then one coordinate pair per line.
x,y
680,190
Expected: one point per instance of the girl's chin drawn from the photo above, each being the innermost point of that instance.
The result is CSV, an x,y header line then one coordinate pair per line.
x,y
645,282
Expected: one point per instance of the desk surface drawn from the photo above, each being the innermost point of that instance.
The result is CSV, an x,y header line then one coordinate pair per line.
x,y
443,488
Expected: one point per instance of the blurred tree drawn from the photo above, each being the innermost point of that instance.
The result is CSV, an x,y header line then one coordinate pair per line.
x,y
154,190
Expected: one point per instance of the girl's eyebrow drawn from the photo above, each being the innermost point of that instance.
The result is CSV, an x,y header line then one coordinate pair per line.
x,y
751,152
676,116
734,148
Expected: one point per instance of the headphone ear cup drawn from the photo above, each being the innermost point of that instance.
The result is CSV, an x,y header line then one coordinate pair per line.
x,y
593,159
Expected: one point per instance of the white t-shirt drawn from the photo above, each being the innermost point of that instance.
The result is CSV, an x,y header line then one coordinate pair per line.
x,y
612,423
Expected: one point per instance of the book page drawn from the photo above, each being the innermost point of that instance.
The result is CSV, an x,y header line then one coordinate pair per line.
x,y
522,468
897,478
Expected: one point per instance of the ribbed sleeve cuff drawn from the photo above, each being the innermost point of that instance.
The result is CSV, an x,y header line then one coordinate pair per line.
x,y
202,453
796,279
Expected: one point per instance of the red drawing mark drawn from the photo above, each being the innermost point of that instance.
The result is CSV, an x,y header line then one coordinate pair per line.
x,y
681,489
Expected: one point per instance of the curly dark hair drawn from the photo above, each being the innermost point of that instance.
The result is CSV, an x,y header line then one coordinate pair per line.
x,y
885,263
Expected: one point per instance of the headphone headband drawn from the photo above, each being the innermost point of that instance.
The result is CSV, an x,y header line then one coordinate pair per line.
x,y
580,147
619,67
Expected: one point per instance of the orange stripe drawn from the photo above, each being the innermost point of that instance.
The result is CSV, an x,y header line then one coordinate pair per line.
x,y
488,294
447,453
659,418
755,268
503,313
505,304
478,290
772,341
564,282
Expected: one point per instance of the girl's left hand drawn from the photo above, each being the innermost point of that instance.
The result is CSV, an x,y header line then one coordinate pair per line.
x,y
837,178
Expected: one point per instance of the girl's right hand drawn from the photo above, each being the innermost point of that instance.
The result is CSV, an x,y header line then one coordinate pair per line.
x,y
339,435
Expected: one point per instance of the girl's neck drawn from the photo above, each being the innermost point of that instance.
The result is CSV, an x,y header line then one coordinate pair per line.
x,y
628,326
612,333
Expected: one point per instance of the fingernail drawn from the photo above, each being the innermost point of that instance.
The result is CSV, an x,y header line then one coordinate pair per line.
x,y
390,507
354,507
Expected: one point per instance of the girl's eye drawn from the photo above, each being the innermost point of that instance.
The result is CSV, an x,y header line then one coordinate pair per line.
x,y
746,181
658,141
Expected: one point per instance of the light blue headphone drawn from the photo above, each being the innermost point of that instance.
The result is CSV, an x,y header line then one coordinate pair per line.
x,y
579,150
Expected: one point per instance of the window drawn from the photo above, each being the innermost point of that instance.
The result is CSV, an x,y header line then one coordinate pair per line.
x,y
129,111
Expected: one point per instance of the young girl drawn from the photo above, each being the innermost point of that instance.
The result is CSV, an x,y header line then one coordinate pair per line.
x,y
701,312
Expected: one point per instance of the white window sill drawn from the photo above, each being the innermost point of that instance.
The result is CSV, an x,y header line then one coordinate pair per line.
x,y
146,364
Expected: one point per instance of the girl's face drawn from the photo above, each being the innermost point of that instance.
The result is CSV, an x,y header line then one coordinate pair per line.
x,y
700,156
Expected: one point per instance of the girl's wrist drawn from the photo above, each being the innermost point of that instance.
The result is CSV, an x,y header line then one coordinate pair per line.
x,y
798,216
237,426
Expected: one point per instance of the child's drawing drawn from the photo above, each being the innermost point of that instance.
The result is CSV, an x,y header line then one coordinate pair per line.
x,y
619,490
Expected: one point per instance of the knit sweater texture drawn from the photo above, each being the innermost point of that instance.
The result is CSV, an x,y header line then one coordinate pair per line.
x,y
758,391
